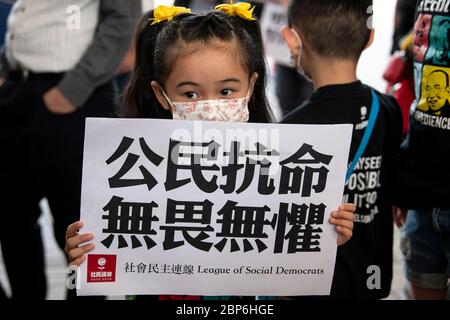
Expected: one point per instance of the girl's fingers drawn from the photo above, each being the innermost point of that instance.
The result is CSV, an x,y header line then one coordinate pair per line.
x,y
78,252
75,241
343,220
344,215
347,207
344,235
77,262
72,230
342,223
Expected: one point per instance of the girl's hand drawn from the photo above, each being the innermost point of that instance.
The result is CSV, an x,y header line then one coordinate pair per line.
x,y
76,254
343,220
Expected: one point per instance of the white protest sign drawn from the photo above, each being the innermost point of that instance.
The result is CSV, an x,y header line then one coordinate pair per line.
x,y
211,208
273,19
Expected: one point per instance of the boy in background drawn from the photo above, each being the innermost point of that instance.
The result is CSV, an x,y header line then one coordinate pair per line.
x,y
326,39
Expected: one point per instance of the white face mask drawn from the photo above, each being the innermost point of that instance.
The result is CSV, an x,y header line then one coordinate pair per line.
x,y
232,110
295,60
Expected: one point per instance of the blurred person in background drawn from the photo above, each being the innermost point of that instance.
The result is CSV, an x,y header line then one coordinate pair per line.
x,y
291,88
404,21
400,71
60,59
5,7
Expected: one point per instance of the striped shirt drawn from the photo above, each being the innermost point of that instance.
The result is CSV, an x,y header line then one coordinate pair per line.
x,y
50,35
85,39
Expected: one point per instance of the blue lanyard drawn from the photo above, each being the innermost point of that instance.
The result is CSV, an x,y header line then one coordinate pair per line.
x,y
367,134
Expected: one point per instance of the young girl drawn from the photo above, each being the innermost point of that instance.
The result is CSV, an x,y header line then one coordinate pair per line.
x,y
186,62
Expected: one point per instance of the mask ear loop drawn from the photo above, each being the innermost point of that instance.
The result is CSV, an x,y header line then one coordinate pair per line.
x,y
297,63
251,88
299,56
168,100
249,94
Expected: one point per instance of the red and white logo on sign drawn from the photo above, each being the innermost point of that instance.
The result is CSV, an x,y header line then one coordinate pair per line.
x,y
101,268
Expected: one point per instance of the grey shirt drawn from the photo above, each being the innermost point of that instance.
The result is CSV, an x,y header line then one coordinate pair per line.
x,y
101,60
38,40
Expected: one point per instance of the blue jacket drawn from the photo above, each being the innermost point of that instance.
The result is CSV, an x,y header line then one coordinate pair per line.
x,y
4,11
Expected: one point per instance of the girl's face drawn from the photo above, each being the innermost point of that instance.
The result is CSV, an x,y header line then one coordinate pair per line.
x,y
206,72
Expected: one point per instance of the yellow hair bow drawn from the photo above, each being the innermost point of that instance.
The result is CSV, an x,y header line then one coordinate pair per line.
x,y
243,10
167,13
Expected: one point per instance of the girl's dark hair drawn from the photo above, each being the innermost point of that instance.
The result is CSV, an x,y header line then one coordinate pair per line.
x,y
155,56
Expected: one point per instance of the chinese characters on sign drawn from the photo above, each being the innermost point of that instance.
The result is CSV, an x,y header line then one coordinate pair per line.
x,y
235,221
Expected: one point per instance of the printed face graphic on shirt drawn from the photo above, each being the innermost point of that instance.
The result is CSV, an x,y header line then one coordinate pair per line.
x,y
421,38
439,52
435,90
